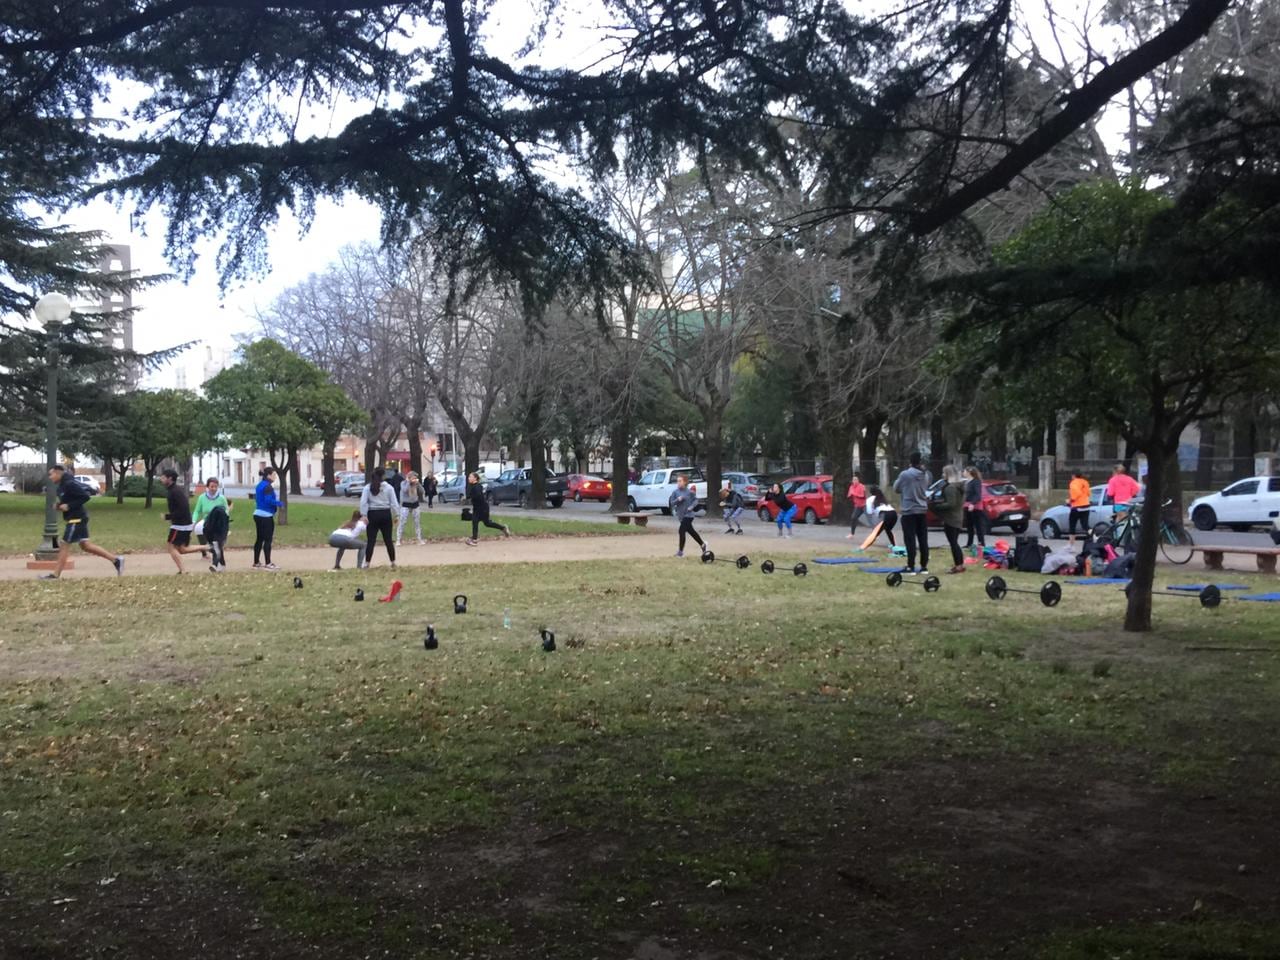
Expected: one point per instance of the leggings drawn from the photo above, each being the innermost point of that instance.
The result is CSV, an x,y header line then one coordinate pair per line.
x,y
405,510
431,500
344,544
858,514
786,516
380,522
1081,514
890,520
915,535
475,526
975,525
686,529
953,539
731,518
266,527
216,548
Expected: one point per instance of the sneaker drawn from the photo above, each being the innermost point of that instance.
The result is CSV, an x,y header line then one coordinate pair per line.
x,y
738,531
422,543
118,563
393,564
48,576
471,543
213,568
779,531
959,569
727,531
680,553
924,572
788,534
506,532
908,571
269,566
257,566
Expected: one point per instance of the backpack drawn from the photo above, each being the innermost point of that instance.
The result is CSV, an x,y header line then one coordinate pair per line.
x,y
1028,555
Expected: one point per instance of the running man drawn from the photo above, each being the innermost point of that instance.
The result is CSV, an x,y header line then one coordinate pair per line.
x,y
179,516
72,496
683,502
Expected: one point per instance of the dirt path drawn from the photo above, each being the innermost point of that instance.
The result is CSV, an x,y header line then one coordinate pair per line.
x,y
490,550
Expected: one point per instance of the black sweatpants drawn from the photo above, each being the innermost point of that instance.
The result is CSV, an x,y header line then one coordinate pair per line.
x,y
953,540
476,521
266,530
889,521
686,529
379,523
975,525
1080,514
915,536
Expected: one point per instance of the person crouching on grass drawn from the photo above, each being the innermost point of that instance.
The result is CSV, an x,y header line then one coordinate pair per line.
x,y
72,496
684,503
179,516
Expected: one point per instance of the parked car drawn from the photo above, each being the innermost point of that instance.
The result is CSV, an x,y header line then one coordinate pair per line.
x,y
752,486
654,488
515,485
93,485
1003,503
582,486
453,490
348,483
811,495
1056,521
7,485
1239,506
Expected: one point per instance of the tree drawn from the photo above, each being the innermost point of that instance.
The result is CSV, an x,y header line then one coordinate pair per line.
x,y
273,400
1137,336
163,425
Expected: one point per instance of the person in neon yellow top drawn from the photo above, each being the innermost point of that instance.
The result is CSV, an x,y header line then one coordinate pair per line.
x,y
214,527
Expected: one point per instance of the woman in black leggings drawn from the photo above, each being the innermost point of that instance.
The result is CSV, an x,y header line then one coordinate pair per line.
x,y
480,511
265,505
378,504
880,510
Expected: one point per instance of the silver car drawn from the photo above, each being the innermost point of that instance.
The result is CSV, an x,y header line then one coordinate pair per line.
x,y
1056,520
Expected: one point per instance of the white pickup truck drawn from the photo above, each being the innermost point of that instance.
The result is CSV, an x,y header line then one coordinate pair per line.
x,y
653,490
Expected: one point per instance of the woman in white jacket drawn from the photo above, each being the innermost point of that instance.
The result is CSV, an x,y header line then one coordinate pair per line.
x,y
378,505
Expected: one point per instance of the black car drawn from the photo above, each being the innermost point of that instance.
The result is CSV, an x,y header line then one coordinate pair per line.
x,y
515,485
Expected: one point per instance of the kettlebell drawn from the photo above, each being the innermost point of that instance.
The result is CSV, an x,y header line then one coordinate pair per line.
x,y
430,643
548,640
297,583
460,603
359,595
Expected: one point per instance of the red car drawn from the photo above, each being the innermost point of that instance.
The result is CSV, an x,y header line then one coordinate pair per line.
x,y
811,495
585,487
1003,503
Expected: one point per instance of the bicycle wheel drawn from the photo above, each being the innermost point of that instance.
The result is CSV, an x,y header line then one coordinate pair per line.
x,y
1102,530
1175,544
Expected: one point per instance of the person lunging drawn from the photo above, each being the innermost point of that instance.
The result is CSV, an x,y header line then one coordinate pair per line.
x,y
911,486
378,505
265,505
952,513
684,503
480,511
72,496
881,511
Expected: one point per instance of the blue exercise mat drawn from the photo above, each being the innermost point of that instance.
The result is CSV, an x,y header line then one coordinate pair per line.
x,y
1092,581
879,569
1262,597
843,560
1197,587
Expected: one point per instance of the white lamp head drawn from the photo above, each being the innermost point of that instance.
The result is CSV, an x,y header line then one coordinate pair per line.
x,y
52,309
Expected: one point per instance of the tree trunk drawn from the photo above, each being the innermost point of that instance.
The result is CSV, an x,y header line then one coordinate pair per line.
x,y
537,473
414,429
108,474
471,450
295,473
282,472
867,442
370,456
713,438
327,467
838,447
1137,616
937,446
120,477
151,480
620,442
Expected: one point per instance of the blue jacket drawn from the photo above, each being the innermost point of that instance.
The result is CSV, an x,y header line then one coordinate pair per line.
x,y
265,499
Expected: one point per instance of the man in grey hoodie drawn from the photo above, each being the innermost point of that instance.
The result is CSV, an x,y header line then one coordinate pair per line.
x,y
912,484
683,502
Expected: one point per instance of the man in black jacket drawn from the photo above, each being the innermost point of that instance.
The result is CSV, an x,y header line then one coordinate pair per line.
x,y
72,496
179,516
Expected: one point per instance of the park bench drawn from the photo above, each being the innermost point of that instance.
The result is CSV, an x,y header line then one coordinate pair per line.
x,y
1265,556
641,519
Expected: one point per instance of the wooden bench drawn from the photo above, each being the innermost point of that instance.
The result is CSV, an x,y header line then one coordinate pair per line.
x,y
1265,556
641,519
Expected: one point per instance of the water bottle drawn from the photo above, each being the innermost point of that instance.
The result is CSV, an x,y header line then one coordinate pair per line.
x,y
506,618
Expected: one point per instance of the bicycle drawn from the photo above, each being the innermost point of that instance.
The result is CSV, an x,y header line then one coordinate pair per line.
x,y
1123,529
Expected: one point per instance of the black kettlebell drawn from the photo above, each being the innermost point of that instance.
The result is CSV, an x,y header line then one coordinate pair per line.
x,y
460,603
548,640
297,583
359,595
431,643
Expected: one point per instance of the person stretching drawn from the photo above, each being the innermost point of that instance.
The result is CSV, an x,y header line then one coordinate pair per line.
x,y
72,496
786,509
265,505
911,485
480,511
733,506
378,504
684,503
881,511
349,536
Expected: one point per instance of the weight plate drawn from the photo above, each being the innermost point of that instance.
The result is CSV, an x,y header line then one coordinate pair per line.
x,y
766,567
932,584
893,579
708,556
996,588
800,570
743,562
1051,594
1210,596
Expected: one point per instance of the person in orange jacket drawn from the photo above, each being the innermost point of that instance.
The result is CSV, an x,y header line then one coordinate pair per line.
x,y
1078,501
858,497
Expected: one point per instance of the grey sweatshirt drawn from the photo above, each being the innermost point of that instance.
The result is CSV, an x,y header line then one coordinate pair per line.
x,y
911,484
683,503
384,499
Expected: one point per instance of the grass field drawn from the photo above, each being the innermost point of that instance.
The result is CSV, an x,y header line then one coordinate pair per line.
x,y
712,764
128,528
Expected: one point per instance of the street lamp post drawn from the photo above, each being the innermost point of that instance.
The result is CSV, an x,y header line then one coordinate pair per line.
x,y
52,310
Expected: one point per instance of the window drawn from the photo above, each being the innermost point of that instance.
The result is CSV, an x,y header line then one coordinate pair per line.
x,y
1001,490
802,486
1242,489
1273,485
646,479
826,486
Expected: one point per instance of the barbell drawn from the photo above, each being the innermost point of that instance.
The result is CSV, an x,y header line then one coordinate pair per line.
x,y
742,562
800,570
930,584
1209,595
1050,594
